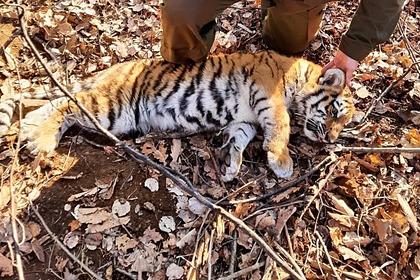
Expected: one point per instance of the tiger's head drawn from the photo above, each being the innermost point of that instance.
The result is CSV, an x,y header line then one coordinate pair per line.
x,y
325,108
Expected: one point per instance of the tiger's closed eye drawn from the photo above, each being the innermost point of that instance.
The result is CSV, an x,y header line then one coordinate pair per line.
x,y
333,111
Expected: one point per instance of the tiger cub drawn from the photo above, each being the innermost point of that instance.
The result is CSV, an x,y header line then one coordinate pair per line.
x,y
235,92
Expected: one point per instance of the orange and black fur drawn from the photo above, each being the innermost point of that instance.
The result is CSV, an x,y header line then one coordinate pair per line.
x,y
234,92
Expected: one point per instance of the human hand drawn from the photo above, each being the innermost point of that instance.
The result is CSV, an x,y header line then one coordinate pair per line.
x,y
343,62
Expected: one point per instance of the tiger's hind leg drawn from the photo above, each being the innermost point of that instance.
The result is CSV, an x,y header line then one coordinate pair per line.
x,y
238,136
42,128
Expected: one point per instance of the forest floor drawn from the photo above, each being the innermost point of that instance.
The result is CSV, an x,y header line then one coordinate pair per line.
x,y
356,217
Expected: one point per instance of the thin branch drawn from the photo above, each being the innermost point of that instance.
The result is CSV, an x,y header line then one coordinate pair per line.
x,y
328,255
408,45
243,272
209,265
175,176
14,218
233,252
322,184
389,150
329,159
289,257
386,91
62,246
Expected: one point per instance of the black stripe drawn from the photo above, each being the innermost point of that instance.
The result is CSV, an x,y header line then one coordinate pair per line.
x,y
195,120
95,105
2,110
200,73
178,81
211,120
4,123
245,73
171,112
216,95
261,58
160,76
136,95
308,73
236,107
316,93
262,110
111,114
325,98
243,131
183,103
269,66
275,61
157,111
229,117
191,89
120,103
199,101
261,99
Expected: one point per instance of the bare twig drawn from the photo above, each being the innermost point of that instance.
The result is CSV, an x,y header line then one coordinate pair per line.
x,y
198,238
322,184
175,176
129,275
171,135
327,160
243,272
233,253
386,91
216,167
289,257
408,45
13,195
389,150
238,190
209,265
328,255
62,246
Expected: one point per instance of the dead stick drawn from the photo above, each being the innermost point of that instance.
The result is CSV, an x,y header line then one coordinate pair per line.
x,y
242,272
289,257
175,176
328,255
322,184
209,265
386,91
287,185
13,206
233,253
389,150
62,246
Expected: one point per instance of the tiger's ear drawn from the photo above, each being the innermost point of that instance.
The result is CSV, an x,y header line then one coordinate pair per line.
x,y
333,77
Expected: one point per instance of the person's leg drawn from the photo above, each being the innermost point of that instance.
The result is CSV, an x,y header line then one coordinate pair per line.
x,y
189,28
289,26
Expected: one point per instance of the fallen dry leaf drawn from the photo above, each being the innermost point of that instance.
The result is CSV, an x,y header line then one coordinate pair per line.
x,y
167,224
152,184
6,266
347,253
174,271
121,207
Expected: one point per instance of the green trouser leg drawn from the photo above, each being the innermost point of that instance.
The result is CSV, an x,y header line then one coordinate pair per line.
x,y
289,26
189,27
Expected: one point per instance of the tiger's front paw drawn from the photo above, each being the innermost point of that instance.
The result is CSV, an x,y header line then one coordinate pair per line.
x,y
233,162
282,165
230,173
